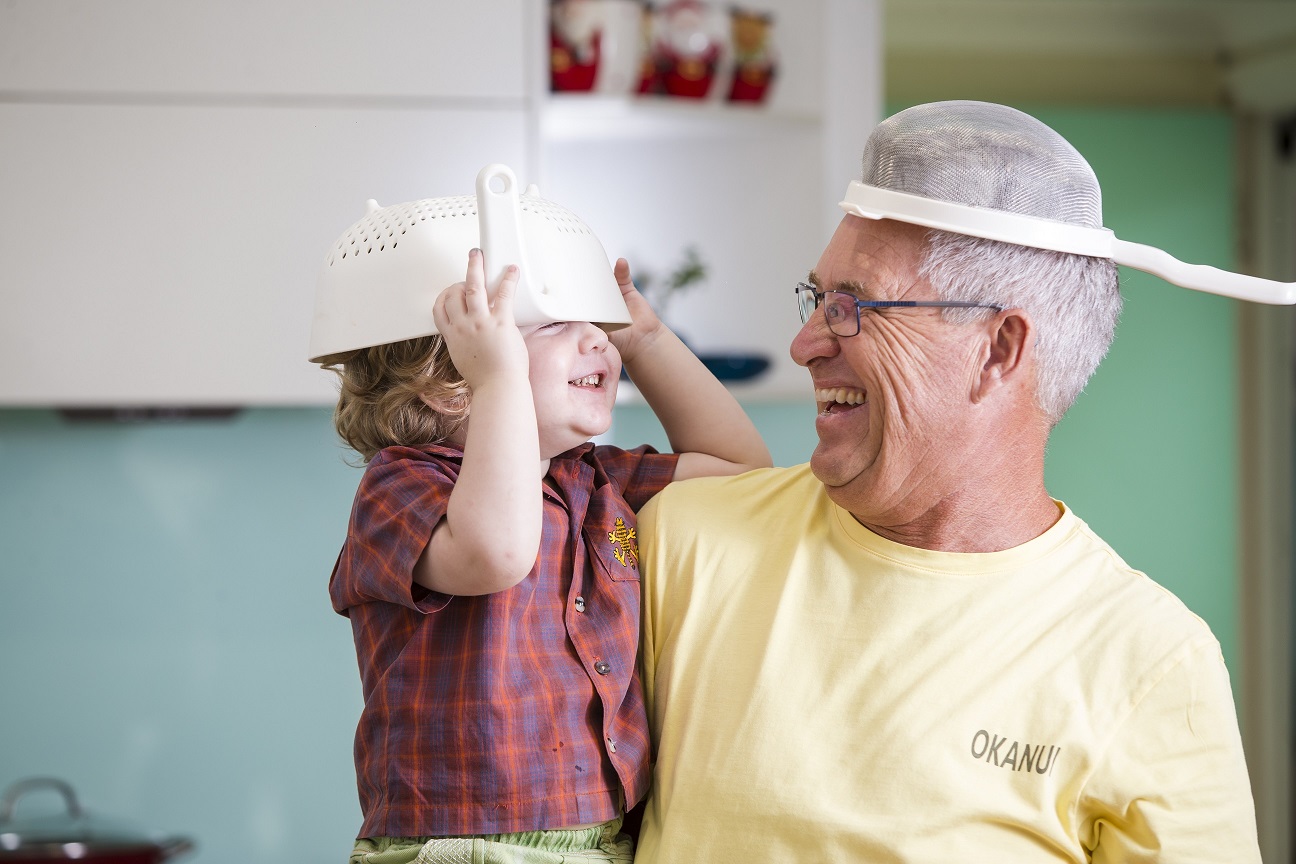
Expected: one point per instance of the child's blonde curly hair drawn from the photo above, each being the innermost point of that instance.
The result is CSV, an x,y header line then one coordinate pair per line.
x,y
403,393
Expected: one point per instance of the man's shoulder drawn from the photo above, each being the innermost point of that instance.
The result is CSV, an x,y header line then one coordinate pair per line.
x,y
1123,593
760,486
753,499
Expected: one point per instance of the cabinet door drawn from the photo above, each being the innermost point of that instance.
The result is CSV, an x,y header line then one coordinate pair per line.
x,y
425,48
167,255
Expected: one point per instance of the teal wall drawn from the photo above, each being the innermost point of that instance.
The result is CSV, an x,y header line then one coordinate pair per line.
x,y
1148,456
166,640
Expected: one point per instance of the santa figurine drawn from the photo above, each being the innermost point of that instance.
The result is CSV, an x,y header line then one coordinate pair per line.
x,y
753,55
649,80
574,36
686,49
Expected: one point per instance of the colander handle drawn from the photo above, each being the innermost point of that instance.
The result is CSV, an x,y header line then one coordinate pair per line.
x,y
1200,277
499,221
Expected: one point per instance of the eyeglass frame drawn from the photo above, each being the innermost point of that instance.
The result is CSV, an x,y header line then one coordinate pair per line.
x,y
803,288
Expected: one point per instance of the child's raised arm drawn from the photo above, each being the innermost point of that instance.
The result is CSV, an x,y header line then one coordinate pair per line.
x,y
499,480
703,421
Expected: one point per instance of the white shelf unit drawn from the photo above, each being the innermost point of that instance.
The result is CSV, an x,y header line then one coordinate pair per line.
x,y
752,188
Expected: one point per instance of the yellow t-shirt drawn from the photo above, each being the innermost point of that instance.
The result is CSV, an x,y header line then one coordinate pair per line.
x,y
818,693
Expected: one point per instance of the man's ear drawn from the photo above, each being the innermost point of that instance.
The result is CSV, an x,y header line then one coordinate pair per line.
x,y
1011,351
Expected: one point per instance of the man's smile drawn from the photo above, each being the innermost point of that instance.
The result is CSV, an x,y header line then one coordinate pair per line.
x,y
838,399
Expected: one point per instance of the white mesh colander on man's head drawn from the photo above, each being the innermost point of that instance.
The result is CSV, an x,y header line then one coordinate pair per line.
x,y
992,171
379,281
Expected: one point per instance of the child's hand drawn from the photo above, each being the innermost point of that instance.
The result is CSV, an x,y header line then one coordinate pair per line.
x,y
484,341
646,326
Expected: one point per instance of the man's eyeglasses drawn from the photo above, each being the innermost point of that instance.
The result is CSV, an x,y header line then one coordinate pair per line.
x,y
842,309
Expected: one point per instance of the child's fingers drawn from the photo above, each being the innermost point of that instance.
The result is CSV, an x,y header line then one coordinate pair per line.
x,y
474,290
506,290
440,310
622,273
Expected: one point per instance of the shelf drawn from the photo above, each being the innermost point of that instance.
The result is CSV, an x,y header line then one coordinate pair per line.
x,y
593,117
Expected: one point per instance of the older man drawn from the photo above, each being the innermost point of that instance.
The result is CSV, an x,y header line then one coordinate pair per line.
x,y
907,650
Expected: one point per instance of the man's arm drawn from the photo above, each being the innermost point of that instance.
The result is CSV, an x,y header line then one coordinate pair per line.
x,y
703,421
1173,784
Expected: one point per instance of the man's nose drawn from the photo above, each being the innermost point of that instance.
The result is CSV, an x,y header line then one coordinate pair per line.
x,y
813,340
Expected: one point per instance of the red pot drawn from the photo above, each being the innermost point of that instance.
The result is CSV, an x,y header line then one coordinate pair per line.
x,y
75,835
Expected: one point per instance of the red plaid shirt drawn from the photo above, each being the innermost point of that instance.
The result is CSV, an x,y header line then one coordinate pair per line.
x,y
514,711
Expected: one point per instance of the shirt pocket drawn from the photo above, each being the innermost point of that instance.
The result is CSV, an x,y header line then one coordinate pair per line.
x,y
611,532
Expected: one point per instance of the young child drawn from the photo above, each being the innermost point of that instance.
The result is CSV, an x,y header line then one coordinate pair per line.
x,y
490,572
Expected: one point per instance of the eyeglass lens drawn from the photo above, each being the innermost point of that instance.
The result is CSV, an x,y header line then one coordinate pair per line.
x,y
806,302
841,313
839,309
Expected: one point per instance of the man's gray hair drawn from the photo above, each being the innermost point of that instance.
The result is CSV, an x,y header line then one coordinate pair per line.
x,y
1073,300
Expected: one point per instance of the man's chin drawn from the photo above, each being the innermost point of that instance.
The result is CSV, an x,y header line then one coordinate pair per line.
x,y
828,471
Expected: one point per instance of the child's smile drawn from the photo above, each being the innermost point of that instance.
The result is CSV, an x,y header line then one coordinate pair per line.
x,y
573,372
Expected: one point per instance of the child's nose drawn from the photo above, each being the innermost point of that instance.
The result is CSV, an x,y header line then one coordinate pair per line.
x,y
592,337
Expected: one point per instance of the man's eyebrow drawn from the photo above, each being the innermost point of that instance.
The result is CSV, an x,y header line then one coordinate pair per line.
x,y
849,286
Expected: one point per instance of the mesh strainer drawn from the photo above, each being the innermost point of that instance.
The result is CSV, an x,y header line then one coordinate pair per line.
x,y
379,280
991,171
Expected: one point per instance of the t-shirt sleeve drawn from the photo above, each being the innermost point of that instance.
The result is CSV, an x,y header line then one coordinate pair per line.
x,y
1173,785
639,473
398,504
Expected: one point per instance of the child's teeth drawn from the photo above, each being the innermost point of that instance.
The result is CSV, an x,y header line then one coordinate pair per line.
x,y
588,381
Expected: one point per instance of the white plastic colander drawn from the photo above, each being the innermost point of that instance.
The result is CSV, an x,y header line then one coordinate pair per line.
x,y
379,281
991,171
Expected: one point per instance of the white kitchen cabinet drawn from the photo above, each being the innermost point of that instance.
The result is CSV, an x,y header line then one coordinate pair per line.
x,y
167,255
172,175
293,49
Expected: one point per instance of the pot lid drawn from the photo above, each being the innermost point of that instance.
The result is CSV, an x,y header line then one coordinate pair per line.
x,y
77,832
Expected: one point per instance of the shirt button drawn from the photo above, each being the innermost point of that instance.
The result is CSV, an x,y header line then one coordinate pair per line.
x,y
611,745
580,603
602,668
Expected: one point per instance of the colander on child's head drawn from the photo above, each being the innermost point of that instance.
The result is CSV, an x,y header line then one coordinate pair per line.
x,y
379,281
991,171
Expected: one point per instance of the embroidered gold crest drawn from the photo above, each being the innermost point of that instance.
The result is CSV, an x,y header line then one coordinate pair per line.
x,y
626,549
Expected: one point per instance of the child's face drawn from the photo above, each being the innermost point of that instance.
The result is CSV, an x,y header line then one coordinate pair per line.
x,y
574,372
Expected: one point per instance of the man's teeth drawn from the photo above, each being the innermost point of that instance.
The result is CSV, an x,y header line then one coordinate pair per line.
x,y
840,395
588,381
